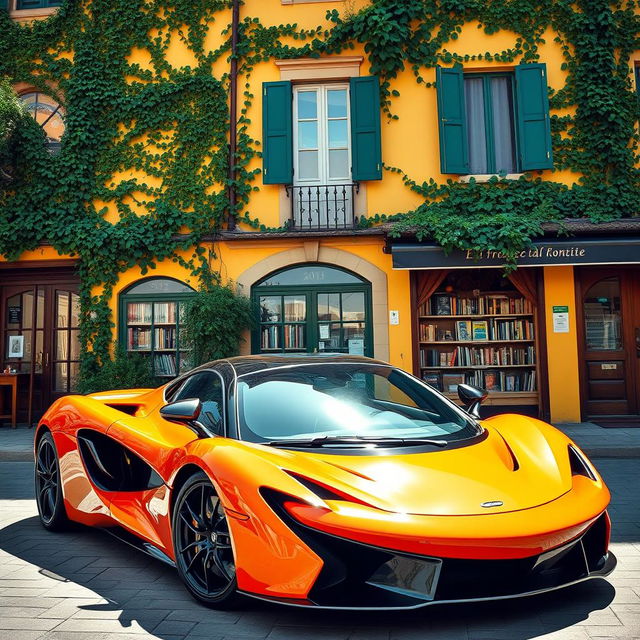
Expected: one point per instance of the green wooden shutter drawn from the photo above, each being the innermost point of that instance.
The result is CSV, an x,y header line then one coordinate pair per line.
x,y
452,120
366,146
277,133
534,128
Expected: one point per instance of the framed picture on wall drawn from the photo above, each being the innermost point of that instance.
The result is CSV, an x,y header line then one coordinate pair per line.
x,y
16,347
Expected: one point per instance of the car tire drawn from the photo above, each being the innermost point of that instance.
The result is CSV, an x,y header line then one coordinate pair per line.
x,y
48,486
202,544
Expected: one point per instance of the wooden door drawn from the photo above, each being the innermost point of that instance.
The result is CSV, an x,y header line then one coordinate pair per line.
x,y
39,339
63,354
22,339
609,340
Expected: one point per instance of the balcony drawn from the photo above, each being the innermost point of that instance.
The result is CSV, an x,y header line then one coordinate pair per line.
x,y
322,207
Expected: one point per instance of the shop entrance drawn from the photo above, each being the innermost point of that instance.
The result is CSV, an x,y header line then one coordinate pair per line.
x,y
313,308
609,341
39,335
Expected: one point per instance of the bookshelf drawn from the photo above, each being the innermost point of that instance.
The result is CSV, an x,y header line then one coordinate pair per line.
x,y
283,323
153,328
486,338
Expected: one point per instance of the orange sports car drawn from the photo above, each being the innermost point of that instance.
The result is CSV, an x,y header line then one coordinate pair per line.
x,y
326,481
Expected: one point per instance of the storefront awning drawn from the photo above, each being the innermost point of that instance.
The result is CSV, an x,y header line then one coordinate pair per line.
x,y
569,251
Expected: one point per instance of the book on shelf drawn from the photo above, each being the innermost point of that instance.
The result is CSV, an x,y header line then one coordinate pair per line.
x,y
138,339
433,379
165,338
427,332
270,337
463,330
164,312
491,381
479,330
501,380
294,336
441,304
436,358
450,381
511,330
463,356
139,313
445,304
429,358
444,335
165,364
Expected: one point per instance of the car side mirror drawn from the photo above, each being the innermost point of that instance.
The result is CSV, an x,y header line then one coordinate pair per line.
x,y
472,398
185,411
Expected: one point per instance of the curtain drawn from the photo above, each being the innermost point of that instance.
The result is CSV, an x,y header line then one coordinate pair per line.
x,y
428,282
524,280
502,116
476,134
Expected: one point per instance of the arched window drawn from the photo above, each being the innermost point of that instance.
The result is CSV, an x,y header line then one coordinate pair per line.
x,y
48,114
312,308
151,317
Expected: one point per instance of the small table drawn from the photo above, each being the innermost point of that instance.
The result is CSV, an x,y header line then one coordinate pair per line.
x,y
11,380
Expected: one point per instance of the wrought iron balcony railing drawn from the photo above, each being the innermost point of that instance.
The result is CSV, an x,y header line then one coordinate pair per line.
x,y
322,207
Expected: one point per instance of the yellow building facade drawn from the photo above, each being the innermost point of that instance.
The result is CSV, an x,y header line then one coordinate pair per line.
x,y
553,339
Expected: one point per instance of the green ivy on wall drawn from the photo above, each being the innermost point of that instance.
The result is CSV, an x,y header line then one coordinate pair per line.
x,y
151,144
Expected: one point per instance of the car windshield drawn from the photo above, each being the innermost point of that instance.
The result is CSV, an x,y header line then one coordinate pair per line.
x,y
342,400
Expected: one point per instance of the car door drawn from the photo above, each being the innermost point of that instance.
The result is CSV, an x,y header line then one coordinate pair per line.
x,y
159,444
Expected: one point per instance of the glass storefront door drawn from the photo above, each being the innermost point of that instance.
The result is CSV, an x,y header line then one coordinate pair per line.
x,y
39,341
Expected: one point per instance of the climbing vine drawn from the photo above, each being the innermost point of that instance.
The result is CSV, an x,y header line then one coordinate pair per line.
x,y
143,172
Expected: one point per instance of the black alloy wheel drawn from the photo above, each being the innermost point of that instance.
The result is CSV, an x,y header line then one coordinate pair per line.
x,y
202,544
48,486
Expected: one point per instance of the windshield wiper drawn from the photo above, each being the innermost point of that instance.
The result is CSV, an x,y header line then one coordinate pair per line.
x,y
355,440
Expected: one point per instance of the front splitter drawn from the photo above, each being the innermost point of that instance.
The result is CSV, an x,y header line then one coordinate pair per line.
x,y
609,565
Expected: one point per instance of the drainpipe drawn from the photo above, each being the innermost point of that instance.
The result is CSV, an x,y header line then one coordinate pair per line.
x,y
233,112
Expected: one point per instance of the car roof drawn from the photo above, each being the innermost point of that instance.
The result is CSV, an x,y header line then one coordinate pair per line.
x,y
252,364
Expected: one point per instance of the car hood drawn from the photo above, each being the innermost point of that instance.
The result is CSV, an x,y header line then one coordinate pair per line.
x,y
519,464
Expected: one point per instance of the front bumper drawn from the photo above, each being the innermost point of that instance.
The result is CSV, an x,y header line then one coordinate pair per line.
x,y
362,576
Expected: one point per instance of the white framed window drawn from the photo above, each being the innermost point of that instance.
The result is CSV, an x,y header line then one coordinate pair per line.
x,y
321,138
322,186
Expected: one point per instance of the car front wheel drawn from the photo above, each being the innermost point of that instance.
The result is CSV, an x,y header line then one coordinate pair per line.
x,y
49,499
202,544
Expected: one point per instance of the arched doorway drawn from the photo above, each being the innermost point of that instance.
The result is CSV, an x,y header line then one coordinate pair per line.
x,y
609,341
309,308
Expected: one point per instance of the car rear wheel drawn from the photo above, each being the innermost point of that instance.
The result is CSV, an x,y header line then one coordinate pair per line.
x,y
48,486
202,544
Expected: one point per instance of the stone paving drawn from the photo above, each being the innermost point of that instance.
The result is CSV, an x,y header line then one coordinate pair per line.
x,y
84,585
16,444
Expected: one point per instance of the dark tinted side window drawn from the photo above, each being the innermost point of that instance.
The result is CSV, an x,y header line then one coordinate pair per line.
x,y
208,387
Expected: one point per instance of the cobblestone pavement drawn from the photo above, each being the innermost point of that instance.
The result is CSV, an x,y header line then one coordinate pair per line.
x,y
85,585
